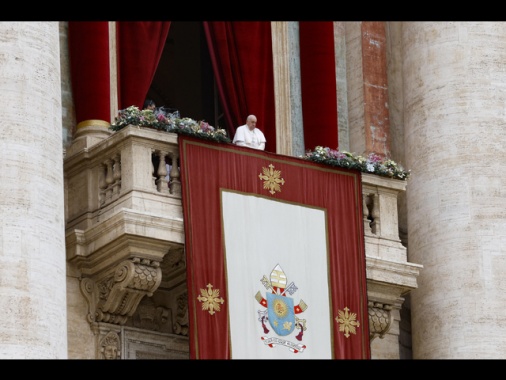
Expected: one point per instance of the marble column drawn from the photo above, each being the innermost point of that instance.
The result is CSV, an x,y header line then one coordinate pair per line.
x,y
33,318
287,91
341,86
454,88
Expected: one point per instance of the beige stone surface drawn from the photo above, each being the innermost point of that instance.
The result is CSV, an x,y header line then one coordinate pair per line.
x,y
81,340
355,87
281,64
68,108
396,111
33,321
454,96
341,85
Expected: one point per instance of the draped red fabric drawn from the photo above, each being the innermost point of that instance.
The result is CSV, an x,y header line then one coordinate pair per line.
x,y
318,84
140,46
89,69
241,54
336,192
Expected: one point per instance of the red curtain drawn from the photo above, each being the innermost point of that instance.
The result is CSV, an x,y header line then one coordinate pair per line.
x,y
140,46
318,84
301,185
241,54
89,69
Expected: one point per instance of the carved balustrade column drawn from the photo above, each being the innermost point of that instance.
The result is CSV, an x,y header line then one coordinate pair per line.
x,y
376,215
117,174
162,185
175,182
365,211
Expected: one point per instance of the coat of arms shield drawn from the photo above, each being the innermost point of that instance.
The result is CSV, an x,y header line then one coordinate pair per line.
x,y
281,314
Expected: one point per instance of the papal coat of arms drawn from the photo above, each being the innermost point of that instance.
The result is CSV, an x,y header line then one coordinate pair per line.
x,y
281,313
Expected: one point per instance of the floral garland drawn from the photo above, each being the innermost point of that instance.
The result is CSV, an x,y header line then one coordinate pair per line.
x,y
170,122
373,163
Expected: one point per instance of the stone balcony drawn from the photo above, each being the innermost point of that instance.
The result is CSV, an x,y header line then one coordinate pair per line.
x,y
125,236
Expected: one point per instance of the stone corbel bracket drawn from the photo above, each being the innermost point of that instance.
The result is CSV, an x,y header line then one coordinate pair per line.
x,y
118,261
380,319
115,298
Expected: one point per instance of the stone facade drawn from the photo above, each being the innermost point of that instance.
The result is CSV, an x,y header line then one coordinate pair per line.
x,y
89,235
124,241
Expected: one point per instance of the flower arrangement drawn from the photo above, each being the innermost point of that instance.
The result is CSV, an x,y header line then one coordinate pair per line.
x,y
373,163
163,120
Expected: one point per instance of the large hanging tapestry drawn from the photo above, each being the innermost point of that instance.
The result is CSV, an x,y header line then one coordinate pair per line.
x,y
275,255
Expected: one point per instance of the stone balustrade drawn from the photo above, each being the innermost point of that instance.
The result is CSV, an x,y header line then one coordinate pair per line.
x,y
125,169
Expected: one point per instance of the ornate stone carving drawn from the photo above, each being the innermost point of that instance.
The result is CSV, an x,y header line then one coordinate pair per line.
x,y
181,324
173,269
380,319
150,316
115,297
173,260
110,346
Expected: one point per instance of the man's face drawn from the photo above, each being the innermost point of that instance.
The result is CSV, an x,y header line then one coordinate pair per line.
x,y
252,123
